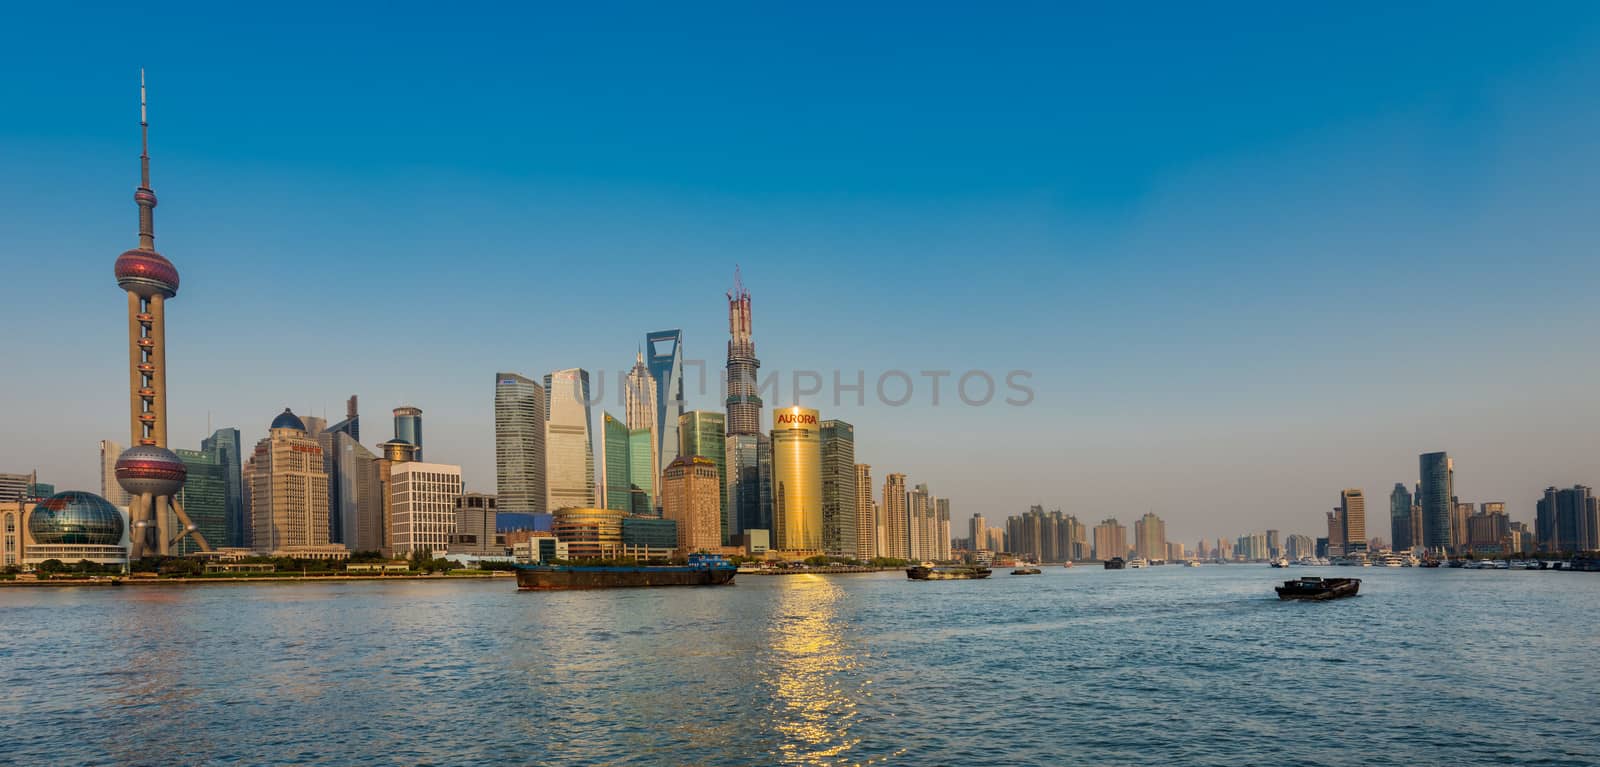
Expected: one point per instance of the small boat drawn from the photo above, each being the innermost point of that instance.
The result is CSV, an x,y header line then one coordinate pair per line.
x,y
1115,563
1027,571
1314,588
1192,563
928,571
1138,563
1067,563
1280,562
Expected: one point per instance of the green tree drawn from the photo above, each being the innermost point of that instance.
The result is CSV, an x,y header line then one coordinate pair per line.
x,y
50,566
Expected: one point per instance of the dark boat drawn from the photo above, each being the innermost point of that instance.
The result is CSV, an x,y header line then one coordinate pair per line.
x,y
931,572
702,570
1312,587
1027,571
1115,563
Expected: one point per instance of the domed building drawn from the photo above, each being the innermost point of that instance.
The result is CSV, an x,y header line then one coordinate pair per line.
x,y
69,526
288,487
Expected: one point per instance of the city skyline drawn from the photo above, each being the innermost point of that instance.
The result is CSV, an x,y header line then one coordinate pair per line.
x,y
1251,389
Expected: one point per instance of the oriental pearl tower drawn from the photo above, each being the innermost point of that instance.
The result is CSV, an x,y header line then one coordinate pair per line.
x,y
150,472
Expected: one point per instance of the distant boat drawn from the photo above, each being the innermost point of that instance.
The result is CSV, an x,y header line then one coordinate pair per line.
x,y
1027,571
702,570
1067,563
1313,588
1280,562
928,571
1138,563
1115,563
1192,563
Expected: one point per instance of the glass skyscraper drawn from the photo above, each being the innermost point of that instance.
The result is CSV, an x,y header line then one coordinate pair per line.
x,y
569,447
703,433
641,473
204,497
796,479
838,488
1436,499
1400,518
519,444
224,444
664,350
615,490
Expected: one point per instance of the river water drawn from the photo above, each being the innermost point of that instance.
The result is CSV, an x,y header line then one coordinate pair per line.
x,y
1166,665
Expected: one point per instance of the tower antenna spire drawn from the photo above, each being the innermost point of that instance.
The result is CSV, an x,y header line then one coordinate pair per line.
x,y
145,196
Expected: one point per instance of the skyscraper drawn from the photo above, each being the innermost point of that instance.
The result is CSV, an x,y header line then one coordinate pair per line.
x,y
704,433
1353,514
644,491
919,526
640,413
797,479
1111,539
288,491
204,496
1150,537
1436,496
614,463
519,448
896,521
408,426
839,538
109,489
1568,520
941,513
691,495
339,459
744,400
1400,518
665,350
150,472
749,449
569,451
866,515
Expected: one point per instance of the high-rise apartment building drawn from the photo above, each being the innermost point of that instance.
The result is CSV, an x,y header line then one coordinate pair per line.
x,y
896,518
797,479
1435,497
1150,537
408,427
838,488
691,495
866,515
1110,539
664,352
288,491
1353,514
422,502
1567,521
920,525
519,447
1460,512
569,450
704,433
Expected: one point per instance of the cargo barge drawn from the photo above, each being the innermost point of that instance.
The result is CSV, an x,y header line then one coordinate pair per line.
x,y
927,571
701,570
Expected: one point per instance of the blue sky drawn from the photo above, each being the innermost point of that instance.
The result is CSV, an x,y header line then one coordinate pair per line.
x,y
1249,258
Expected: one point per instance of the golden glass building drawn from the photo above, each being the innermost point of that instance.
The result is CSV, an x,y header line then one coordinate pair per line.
x,y
797,479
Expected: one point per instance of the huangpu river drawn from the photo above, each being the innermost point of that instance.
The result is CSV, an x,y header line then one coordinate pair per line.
x,y
1168,665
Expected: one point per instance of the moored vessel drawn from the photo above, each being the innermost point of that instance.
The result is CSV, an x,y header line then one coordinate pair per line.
x,y
701,570
1115,563
1027,571
928,571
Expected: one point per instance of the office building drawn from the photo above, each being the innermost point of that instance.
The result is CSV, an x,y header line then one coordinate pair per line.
x,y
644,492
1336,533
590,533
519,447
896,519
704,433
839,499
664,351
204,496
569,451
408,427
614,465
749,468
1110,540
744,400
1489,530
640,412
1436,497
1400,518
691,496
289,492
476,530
109,489
1298,546
797,480
1353,515
866,514
14,487
227,447
1567,521
357,501
648,539
422,503
1150,537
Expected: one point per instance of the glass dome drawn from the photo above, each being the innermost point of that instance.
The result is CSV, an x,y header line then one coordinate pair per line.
x,y
75,518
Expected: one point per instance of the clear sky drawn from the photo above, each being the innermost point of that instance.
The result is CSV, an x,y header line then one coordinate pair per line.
x,y
1248,259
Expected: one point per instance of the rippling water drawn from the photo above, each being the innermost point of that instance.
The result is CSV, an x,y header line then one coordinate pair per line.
x,y
1165,665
